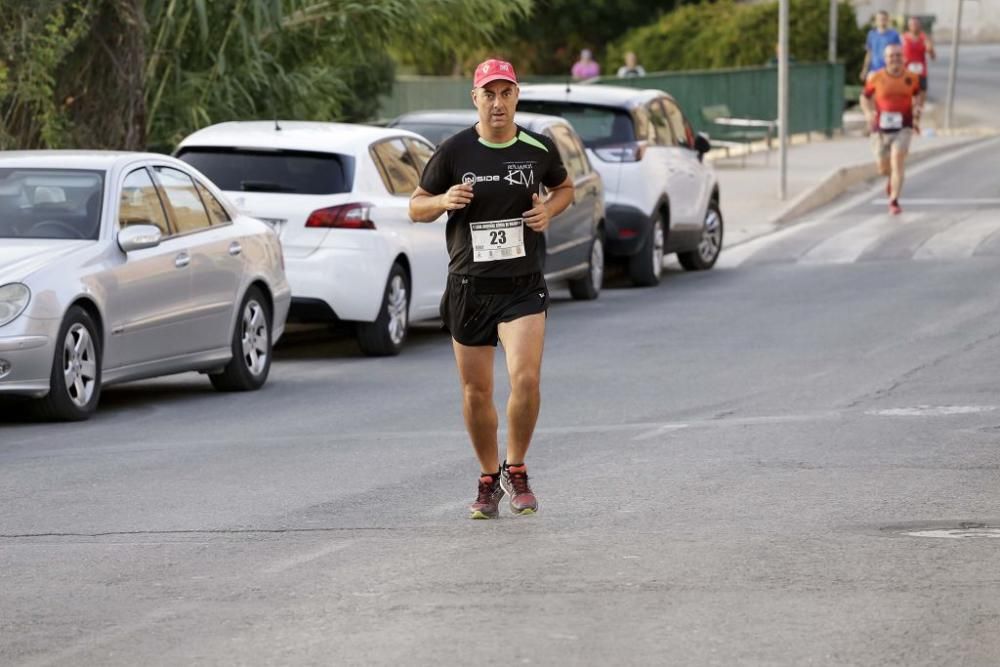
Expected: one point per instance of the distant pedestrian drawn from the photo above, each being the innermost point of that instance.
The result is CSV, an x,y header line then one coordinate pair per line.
x,y
631,68
586,67
892,101
916,47
879,37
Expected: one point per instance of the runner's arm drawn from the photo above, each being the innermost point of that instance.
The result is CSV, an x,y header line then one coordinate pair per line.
x,y
427,207
866,65
930,49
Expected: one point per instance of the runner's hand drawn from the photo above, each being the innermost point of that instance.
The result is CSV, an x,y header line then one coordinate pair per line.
x,y
538,217
458,196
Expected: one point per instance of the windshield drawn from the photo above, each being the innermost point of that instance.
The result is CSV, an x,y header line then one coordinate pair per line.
x,y
596,125
293,172
50,203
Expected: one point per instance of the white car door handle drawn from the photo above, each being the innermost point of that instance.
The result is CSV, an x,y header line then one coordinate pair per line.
x,y
235,248
182,260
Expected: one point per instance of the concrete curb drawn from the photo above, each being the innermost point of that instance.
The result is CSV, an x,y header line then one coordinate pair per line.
x,y
842,179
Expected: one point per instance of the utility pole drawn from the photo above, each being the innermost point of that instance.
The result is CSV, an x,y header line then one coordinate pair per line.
x,y
953,66
833,32
783,98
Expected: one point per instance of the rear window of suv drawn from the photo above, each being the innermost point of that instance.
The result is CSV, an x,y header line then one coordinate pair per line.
x,y
596,125
293,172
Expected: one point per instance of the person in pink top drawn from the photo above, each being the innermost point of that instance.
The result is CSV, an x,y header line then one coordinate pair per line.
x,y
586,67
916,47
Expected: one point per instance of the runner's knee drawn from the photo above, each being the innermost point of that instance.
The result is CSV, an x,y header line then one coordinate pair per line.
x,y
525,382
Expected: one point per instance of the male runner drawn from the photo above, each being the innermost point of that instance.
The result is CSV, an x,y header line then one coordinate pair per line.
x,y
892,118
916,47
879,37
488,179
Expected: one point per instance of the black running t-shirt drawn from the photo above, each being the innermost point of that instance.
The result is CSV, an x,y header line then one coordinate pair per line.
x,y
488,237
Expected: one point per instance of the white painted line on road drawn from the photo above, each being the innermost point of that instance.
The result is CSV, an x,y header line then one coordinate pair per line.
x,y
848,245
957,533
933,410
733,257
961,239
915,201
308,557
662,430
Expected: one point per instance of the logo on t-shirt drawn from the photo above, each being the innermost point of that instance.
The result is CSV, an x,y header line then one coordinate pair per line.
x,y
470,178
520,173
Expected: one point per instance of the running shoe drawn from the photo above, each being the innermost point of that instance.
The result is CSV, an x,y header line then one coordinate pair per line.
x,y
514,480
894,208
487,505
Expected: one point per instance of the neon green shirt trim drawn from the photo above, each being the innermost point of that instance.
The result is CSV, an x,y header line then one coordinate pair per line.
x,y
490,144
531,141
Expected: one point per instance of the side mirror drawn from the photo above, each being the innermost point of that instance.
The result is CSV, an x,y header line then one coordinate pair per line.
x,y
701,143
139,235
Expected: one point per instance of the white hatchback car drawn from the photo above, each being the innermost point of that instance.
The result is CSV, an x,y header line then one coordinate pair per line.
x,y
338,195
661,197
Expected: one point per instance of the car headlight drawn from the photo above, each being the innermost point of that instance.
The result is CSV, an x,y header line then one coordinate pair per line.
x,y
13,300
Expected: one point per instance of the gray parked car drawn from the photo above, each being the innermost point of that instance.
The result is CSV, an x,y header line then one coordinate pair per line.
x,y
574,241
120,266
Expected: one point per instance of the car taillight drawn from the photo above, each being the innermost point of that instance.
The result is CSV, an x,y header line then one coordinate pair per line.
x,y
345,216
631,152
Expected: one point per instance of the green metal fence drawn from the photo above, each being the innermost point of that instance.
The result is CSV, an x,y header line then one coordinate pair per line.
x,y
816,93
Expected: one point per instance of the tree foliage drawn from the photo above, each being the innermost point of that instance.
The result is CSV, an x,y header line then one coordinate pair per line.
x,y
129,73
730,34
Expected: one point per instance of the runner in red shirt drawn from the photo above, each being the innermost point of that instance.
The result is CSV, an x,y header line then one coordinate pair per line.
x,y
916,47
892,101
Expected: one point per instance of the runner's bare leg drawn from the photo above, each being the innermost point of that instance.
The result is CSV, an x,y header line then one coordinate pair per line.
x,y
523,340
898,161
475,373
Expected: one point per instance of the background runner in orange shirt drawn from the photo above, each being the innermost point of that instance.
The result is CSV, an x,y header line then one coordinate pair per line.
x,y
892,101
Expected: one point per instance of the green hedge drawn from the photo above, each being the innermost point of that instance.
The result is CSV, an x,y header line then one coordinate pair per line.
x,y
727,34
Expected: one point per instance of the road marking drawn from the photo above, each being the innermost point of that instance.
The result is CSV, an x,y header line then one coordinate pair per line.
x,y
848,245
933,410
957,533
987,201
308,557
662,430
961,239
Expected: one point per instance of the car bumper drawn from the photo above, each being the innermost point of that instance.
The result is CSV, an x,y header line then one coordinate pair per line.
x,y
25,364
626,228
350,280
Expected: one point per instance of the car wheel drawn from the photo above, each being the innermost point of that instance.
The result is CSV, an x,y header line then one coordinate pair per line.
x,y
705,255
646,266
588,287
75,382
251,346
386,335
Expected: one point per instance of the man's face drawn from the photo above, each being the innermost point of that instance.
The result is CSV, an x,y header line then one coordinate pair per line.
x,y
914,25
630,59
881,20
496,102
894,59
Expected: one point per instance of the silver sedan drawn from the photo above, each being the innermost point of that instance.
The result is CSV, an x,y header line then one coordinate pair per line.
x,y
121,266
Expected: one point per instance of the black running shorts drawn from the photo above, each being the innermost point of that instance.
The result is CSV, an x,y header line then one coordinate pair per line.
x,y
473,307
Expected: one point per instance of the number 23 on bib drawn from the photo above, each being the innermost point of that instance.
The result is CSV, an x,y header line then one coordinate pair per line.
x,y
497,240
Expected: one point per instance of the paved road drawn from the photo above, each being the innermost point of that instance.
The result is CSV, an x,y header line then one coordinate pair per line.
x,y
755,465
977,96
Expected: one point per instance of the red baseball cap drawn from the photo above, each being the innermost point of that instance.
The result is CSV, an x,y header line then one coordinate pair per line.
x,y
493,70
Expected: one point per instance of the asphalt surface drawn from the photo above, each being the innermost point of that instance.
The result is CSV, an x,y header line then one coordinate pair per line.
x,y
792,459
977,95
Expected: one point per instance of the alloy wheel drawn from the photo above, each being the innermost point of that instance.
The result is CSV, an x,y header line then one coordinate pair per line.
x,y
597,264
79,365
256,338
711,236
397,306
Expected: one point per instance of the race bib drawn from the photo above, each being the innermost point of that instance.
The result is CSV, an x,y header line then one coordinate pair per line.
x,y
916,68
890,120
497,239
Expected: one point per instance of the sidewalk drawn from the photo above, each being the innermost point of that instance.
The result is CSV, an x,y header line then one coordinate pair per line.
x,y
818,172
